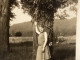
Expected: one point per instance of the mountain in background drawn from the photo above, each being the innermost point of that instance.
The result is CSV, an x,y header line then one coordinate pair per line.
x,y
66,27
25,28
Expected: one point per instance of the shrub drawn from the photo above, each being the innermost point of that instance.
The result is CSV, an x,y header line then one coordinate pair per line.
x,y
18,34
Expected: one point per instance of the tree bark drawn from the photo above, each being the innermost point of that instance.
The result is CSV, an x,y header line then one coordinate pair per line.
x,y
4,38
34,43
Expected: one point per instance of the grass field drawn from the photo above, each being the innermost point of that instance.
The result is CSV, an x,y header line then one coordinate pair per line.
x,y
23,51
20,39
19,51
64,52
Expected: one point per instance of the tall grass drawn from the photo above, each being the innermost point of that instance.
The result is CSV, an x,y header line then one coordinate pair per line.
x,y
19,51
64,52
23,51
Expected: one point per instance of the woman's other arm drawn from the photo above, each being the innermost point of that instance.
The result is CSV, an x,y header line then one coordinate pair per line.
x,y
45,36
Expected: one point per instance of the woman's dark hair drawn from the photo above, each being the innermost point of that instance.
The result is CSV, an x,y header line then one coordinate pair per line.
x,y
41,24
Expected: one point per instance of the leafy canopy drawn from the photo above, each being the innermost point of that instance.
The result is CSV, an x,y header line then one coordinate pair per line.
x,y
44,9
12,5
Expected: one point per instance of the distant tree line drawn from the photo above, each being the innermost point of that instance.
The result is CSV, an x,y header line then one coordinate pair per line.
x,y
57,32
65,32
21,34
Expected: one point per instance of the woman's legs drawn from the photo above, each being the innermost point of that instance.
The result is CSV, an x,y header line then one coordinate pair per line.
x,y
47,59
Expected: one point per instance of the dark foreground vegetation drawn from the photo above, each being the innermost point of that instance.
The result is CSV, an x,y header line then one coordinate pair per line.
x,y
23,51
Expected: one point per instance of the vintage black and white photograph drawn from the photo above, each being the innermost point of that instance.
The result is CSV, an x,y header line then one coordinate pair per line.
x,y
38,29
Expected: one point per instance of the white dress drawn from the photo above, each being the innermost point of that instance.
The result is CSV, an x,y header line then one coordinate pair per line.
x,y
46,54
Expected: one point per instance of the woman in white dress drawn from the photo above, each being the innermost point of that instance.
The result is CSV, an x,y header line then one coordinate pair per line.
x,y
43,52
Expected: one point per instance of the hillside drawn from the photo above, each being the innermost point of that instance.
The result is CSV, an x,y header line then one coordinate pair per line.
x,y
66,27
25,28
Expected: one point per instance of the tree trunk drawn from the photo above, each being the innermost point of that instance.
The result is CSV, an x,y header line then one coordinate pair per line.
x,y
4,38
34,43
51,36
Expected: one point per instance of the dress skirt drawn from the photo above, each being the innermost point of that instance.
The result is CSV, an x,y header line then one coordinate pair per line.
x,y
43,56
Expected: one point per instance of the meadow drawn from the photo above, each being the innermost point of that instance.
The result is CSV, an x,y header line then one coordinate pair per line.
x,y
22,50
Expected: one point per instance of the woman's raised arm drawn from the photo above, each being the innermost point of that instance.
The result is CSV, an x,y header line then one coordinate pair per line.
x,y
37,31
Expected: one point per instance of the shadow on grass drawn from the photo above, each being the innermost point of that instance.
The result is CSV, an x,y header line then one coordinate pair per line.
x,y
64,52
21,51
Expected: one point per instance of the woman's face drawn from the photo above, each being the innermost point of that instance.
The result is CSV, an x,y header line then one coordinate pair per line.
x,y
41,29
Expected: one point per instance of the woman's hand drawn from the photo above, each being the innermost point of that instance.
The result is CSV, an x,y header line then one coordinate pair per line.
x,y
43,50
50,44
35,23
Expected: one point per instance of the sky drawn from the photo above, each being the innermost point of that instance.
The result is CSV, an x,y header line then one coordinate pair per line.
x,y
68,11
21,17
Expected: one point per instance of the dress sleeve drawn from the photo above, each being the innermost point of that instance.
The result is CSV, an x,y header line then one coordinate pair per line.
x,y
46,30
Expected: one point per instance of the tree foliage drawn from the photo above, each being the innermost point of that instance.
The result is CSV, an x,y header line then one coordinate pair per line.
x,y
44,9
18,34
12,4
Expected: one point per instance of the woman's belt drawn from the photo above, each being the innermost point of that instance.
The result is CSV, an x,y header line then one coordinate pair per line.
x,y
39,44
